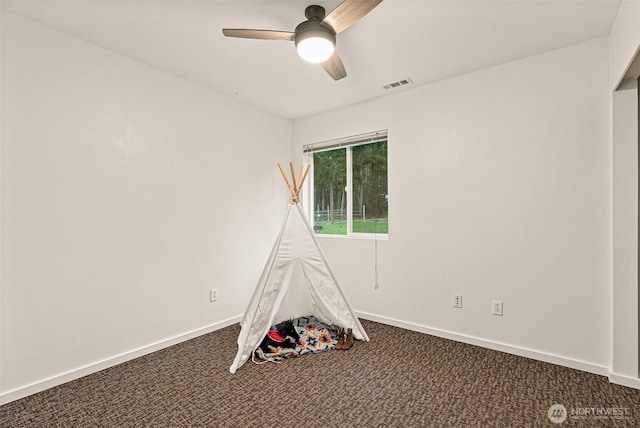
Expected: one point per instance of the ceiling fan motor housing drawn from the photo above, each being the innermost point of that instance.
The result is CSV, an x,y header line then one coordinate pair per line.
x,y
314,12
313,28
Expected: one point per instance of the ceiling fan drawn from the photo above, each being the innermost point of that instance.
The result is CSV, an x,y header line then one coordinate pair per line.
x,y
315,38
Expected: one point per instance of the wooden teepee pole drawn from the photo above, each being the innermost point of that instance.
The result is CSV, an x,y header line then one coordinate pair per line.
x,y
293,176
291,189
298,177
306,171
284,176
297,181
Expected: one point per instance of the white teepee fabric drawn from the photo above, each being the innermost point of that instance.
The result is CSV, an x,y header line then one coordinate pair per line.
x,y
295,261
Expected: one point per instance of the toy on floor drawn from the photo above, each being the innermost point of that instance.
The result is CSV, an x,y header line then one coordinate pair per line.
x,y
284,336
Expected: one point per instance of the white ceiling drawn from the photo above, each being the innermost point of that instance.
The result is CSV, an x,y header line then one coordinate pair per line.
x,y
423,40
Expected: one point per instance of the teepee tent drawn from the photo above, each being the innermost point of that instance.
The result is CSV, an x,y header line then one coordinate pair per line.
x,y
296,279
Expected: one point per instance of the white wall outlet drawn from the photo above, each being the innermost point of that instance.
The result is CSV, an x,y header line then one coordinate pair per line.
x,y
213,294
496,307
457,300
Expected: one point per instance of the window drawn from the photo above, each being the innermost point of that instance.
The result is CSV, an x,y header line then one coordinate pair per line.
x,y
349,182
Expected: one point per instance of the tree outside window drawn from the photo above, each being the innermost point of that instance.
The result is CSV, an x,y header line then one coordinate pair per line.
x,y
350,191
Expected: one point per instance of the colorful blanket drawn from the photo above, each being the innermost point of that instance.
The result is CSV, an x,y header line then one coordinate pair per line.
x,y
315,336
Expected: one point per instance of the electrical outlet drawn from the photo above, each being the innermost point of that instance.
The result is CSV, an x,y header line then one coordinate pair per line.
x,y
496,307
457,300
213,294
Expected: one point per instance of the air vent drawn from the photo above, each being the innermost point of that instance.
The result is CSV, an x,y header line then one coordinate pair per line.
x,y
398,84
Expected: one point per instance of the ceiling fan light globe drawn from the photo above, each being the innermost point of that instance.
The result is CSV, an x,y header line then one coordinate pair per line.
x,y
315,49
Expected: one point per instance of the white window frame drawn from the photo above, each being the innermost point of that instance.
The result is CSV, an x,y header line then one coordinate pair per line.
x,y
347,143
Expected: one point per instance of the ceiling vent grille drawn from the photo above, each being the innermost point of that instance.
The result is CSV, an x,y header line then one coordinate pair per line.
x,y
398,84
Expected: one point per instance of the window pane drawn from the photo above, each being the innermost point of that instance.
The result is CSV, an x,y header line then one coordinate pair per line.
x,y
329,182
370,196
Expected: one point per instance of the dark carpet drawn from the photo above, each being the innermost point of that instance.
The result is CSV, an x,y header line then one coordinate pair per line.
x,y
398,379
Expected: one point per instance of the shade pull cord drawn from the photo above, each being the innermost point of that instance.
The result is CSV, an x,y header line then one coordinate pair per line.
x,y
375,264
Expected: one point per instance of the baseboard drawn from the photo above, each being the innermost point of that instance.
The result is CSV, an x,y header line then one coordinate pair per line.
x,y
16,394
497,346
624,380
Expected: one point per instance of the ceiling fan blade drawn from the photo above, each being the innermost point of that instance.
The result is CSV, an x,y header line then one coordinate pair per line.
x,y
348,12
335,67
259,34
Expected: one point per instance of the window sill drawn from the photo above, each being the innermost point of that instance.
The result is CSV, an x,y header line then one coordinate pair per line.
x,y
369,237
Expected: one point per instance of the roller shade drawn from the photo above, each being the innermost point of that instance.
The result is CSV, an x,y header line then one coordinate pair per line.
x,y
355,140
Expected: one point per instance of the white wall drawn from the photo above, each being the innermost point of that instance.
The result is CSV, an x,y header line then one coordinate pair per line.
x,y
1,204
624,41
625,231
624,45
499,189
127,193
